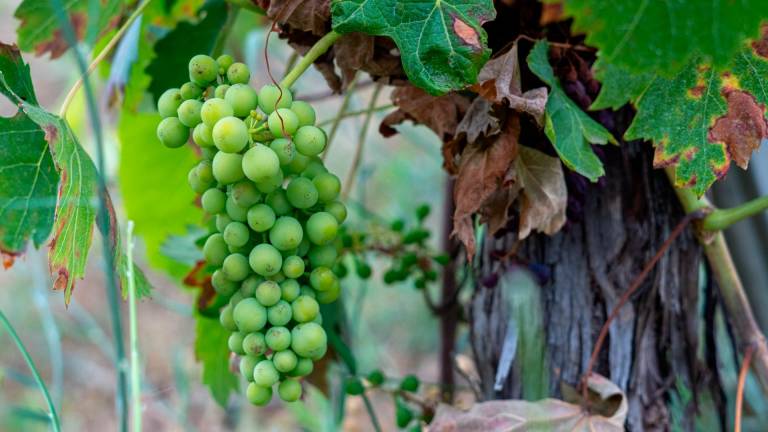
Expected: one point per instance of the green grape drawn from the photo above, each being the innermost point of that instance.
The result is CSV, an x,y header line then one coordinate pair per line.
x,y
283,122
289,390
301,193
330,295
277,277
403,414
224,61
322,228
278,338
228,167
195,183
250,316
226,319
168,103
235,267
191,90
298,164
271,184
258,395
244,250
203,135
410,383
208,153
215,249
307,291
172,133
340,269
376,378
290,290
260,163
265,374
286,234
248,287
304,112
234,211
338,210
323,256
362,269
353,386
260,217
268,293
285,361
235,343
310,140
247,364
280,314
314,167
265,259
309,340
243,99
221,91
230,134
245,194
303,367
238,73
328,186
222,220
322,278
205,171
270,98
235,300
279,202
189,112
255,344
236,234
319,321
303,248
293,267
213,110
305,309
284,150
203,70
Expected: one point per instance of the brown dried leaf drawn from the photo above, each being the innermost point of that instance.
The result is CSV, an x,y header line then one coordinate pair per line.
x,y
544,196
359,51
552,415
741,128
439,113
312,16
550,13
479,120
495,210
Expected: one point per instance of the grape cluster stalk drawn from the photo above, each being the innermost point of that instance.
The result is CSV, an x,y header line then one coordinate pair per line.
x,y
274,246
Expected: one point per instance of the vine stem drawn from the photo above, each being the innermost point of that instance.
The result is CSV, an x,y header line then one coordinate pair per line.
x,y
340,114
350,181
31,364
133,329
318,49
740,387
721,219
102,55
739,312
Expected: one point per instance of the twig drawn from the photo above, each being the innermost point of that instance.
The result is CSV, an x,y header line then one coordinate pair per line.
x,y
102,55
340,117
349,183
556,44
52,416
740,387
721,219
371,413
626,296
133,329
337,120
318,49
314,97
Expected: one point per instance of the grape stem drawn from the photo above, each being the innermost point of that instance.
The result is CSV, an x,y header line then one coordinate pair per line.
x,y
318,49
102,55
133,329
721,219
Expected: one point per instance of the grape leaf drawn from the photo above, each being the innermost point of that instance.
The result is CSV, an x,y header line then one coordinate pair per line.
x,y
212,351
619,86
569,128
442,44
544,197
39,29
439,113
663,36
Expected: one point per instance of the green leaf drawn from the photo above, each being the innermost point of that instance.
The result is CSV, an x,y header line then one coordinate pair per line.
x,y
442,44
28,182
15,76
39,29
570,129
663,36
212,351
619,86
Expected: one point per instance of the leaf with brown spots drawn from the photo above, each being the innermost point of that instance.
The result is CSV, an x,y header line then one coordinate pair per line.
x,y
440,113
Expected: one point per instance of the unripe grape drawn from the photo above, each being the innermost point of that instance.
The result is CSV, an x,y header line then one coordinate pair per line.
x,y
248,287
353,386
305,309
289,390
322,278
250,316
221,91
265,259
303,367
286,234
226,319
203,136
205,171
293,267
245,194
298,164
310,140
222,220
255,344
260,217
235,300
203,70
265,374
271,184
290,290
172,133
222,284
195,183
213,110
284,150
238,73
301,193
234,211
243,99
309,340
258,395
304,112
314,167
376,378
235,343
278,338
330,295
277,277
228,167
338,210
322,228
307,291
215,250
283,122
323,256
328,186
189,112
236,267
224,61
279,202
280,313
269,95
236,234
303,248
168,103
260,163
191,90
247,364
268,293
230,134
285,361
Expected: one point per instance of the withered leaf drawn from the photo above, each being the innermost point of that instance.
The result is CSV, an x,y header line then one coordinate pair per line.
x,y
439,113
544,196
361,52
304,15
479,120
742,128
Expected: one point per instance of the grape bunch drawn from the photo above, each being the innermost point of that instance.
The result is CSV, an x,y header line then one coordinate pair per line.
x,y
277,216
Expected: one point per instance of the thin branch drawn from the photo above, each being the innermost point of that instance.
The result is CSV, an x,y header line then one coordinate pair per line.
x,y
341,116
342,109
133,329
349,183
740,387
721,219
371,413
314,97
318,49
